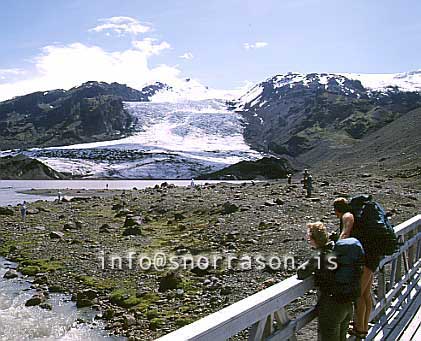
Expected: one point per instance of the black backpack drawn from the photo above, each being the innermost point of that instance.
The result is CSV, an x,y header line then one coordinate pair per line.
x,y
372,227
343,279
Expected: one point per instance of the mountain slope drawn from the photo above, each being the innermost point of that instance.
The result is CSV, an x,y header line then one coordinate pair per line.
x,y
264,168
293,113
91,112
21,167
394,150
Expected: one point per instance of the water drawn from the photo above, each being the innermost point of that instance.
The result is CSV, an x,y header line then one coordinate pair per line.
x,y
9,188
20,323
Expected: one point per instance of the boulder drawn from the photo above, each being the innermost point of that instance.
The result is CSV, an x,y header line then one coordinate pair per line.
x,y
129,320
279,201
37,299
69,226
104,228
117,207
46,306
171,280
228,208
6,211
132,231
32,211
79,224
56,235
123,213
179,216
41,278
11,274
85,298
133,221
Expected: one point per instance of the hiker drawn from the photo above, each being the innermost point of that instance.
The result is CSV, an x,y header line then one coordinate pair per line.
x,y
309,185
338,284
59,197
305,175
23,211
335,304
344,212
192,184
364,303
289,178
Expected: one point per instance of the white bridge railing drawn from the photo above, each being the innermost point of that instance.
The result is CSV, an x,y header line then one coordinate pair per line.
x,y
265,314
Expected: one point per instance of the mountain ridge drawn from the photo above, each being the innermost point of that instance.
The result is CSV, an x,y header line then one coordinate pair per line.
x,y
304,119
90,112
291,114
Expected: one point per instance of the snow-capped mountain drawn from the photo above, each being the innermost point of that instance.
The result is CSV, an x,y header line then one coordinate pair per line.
x,y
343,83
406,81
292,113
190,89
171,140
184,130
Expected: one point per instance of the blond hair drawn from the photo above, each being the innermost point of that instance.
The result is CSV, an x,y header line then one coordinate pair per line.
x,y
317,232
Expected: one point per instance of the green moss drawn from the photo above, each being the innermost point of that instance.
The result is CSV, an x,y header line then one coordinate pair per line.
x,y
181,322
98,283
146,301
151,314
126,298
45,265
190,286
155,323
7,247
30,270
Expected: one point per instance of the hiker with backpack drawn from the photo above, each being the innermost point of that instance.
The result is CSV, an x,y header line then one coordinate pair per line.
x,y
365,220
337,269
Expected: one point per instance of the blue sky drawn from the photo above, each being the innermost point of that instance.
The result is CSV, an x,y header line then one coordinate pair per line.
x,y
221,44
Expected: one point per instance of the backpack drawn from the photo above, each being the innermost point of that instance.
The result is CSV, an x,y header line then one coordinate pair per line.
x,y
343,280
372,227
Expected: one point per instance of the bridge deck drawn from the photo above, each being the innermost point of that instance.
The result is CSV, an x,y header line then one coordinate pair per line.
x,y
402,320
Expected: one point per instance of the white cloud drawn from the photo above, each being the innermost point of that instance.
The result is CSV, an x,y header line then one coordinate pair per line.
x,y
10,73
148,47
256,45
70,65
121,26
187,55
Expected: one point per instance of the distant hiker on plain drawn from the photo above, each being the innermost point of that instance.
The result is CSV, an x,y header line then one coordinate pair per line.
x,y
309,185
23,211
305,175
337,271
289,178
365,220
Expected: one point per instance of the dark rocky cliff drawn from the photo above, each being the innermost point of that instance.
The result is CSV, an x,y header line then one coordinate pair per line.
x,y
291,114
91,112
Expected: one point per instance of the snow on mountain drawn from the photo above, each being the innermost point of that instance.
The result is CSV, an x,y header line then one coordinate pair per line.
x,y
190,89
409,81
406,81
328,81
172,140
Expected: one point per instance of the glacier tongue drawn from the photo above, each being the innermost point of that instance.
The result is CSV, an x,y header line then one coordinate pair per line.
x,y
172,141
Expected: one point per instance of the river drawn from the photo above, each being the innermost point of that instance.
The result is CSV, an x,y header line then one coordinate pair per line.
x,y
10,189
18,322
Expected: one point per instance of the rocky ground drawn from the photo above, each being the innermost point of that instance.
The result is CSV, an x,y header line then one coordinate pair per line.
x,y
62,245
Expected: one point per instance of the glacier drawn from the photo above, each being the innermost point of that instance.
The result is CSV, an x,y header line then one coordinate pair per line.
x,y
172,140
